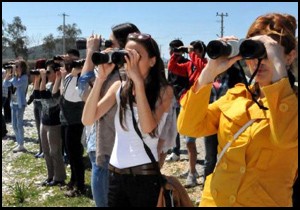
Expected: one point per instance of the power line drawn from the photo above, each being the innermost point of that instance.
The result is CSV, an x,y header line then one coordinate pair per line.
x,y
64,40
222,15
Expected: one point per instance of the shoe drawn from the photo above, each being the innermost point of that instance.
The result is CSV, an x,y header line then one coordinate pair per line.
x,y
197,201
70,186
66,160
55,183
172,158
41,155
4,136
74,193
185,174
20,148
46,182
37,154
191,180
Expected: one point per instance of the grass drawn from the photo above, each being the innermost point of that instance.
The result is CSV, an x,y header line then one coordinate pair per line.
x,y
23,174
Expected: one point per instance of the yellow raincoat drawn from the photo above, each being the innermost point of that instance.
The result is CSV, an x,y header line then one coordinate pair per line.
x,y
260,167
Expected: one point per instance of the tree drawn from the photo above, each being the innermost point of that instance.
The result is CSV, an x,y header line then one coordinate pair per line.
x,y
4,36
71,33
49,45
16,40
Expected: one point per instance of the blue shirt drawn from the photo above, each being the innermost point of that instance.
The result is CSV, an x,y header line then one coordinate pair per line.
x,y
83,82
20,83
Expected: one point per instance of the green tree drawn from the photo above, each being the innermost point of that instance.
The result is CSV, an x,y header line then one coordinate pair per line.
x,y
16,39
49,45
71,33
4,36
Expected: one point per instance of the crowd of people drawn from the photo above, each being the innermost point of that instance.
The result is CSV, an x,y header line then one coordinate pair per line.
x,y
120,97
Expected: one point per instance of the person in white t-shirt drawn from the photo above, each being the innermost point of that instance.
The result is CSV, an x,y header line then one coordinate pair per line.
x,y
147,96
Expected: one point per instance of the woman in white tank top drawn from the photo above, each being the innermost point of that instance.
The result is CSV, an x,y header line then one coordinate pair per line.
x,y
133,179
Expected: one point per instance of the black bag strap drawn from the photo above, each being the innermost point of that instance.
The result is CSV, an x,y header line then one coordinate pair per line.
x,y
167,193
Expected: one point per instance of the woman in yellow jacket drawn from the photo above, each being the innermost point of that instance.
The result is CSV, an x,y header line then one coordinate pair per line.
x,y
260,166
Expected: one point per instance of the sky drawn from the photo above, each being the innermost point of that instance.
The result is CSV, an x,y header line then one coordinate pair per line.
x,y
165,21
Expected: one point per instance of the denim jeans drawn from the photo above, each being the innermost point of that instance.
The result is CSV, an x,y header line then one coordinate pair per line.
x,y
99,181
17,115
4,130
211,151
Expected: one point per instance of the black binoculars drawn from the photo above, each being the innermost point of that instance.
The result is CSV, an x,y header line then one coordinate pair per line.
x,y
77,63
247,48
8,65
180,50
37,72
81,44
116,57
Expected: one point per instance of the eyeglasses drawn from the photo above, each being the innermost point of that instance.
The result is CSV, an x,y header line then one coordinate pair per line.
x,y
140,36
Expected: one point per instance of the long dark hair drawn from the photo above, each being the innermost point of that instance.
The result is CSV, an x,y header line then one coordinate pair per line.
x,y
122,30
23,65
154,82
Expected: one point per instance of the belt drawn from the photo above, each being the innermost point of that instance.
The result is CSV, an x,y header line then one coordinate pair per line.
x,y
146,169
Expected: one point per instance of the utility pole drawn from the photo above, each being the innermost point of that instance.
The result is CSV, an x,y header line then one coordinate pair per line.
x,y
222,21
64,39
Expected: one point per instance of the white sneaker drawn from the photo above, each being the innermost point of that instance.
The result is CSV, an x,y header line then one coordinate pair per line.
x,y
197,201
20,148
191,180
172,158
185,174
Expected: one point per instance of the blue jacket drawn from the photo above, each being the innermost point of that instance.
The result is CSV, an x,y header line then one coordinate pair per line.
x,y
21,87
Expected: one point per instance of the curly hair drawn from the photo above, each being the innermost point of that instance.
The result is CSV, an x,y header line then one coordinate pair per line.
x,y
281,27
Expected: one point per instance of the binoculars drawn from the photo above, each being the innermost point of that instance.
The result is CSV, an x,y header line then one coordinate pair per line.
x,y
8,65
247,48
116,57
36,72
81,44
180,50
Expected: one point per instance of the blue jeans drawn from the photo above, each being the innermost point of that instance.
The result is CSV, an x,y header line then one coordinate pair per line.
x,y
17,115
190,139
4,130
99,181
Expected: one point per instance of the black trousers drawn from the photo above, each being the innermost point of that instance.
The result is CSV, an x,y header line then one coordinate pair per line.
x,y
37,111
133,190
71,135
6,107
176,149
296,193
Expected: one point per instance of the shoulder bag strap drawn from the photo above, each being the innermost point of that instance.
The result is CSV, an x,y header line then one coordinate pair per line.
x,y
234,138
167,193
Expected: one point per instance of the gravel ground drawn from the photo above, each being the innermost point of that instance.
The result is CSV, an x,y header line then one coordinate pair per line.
x,y
174,168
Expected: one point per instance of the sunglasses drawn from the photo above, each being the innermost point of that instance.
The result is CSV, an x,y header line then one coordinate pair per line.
x,y
140,36
148,41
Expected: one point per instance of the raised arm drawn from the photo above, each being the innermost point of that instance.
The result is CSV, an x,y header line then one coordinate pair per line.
x,y
95,106
92,45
